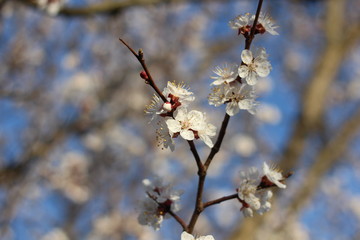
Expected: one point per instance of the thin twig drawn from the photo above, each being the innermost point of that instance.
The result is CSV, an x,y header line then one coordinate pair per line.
x,y
249,39
220,200
179,220
140,57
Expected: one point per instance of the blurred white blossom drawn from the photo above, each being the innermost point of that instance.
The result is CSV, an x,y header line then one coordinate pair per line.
x,y
244,145
160,199
71,177
268,113
52,7
56,234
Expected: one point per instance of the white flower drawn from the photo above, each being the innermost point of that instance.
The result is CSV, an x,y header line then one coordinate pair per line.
x,y
157,108
267,24
188,236
226,74
191,125
273,175
246,192
217,97
178,93
241,23
244,24
240,97
185,123
254,68
149,214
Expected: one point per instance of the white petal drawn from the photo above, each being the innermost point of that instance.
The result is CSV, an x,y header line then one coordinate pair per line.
x,y
246,104
243,71
246,56
180,114
173,125
187,135
248,212
206,140
209,237
232,108
251,79
187,236
263,69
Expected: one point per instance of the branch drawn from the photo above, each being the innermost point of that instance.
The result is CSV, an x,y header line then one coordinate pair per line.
x,y
106,7
199,207
220,200
140,57
179,220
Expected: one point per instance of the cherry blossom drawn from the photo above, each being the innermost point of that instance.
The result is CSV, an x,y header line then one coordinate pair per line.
x,y
236,96
191,125
253,68
225,74
242,23
178,94
273,175
265,24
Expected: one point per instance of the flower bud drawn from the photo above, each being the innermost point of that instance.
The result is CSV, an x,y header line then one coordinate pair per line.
x,y
143,75
167,106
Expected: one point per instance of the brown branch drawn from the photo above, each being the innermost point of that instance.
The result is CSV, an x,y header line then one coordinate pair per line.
x,y
220,200
179,220
140,57
106,7
199,207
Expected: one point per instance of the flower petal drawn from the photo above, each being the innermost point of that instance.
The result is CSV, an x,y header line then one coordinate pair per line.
x,y
173,125
246,56
243,71
252,78
187,135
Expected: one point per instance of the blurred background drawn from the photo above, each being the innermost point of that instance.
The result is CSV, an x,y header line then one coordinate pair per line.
x,y
75,143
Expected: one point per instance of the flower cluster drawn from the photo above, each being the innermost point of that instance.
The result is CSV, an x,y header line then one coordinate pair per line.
x,y
173,117
159,201
234,83
253,191
243,23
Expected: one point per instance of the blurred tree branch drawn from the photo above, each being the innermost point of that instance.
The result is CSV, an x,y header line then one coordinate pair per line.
x,y
107,7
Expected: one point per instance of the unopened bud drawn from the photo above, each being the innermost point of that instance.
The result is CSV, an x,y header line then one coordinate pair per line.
x,y
143,75
167,106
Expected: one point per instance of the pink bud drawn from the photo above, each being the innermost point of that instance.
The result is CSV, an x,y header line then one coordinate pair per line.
x,y
143,75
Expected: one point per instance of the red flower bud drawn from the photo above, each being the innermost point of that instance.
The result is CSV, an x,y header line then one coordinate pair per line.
x,y
143,75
